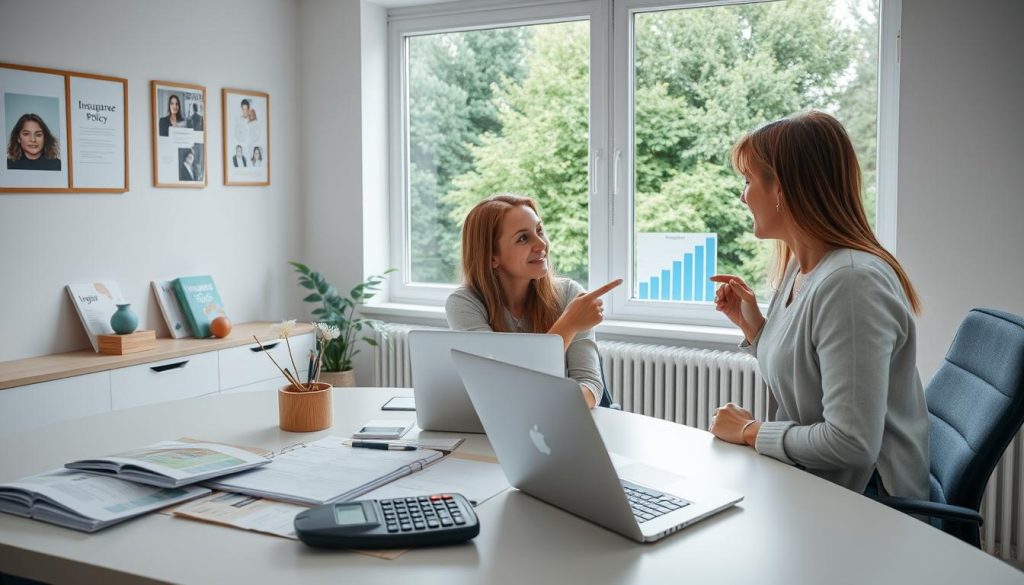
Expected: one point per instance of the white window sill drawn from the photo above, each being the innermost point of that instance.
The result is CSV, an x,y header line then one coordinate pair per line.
x,y
643,330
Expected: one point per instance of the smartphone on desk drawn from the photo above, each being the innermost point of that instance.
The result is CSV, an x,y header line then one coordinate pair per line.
x,y
382,429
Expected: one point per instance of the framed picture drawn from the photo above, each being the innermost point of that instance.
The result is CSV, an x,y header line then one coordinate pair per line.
x,y
63,131
179,135
246,119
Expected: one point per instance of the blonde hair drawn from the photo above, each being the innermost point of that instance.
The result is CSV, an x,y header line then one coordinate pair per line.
x,y
480,234
813,160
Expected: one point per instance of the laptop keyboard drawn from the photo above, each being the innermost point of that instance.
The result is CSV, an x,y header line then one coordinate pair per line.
x,y
648,504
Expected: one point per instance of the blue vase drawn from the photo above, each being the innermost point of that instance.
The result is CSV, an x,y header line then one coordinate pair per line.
x,y
124,320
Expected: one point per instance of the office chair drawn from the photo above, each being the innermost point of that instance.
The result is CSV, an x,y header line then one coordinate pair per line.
x,y
606,398
975,407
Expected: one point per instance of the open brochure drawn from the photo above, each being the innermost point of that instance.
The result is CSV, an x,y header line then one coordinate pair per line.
x,y
84,501
173,463
325,471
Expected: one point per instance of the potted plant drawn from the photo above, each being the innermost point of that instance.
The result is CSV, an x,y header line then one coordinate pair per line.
x,y
338,327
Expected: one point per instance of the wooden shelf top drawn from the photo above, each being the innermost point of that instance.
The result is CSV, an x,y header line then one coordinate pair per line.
x,y
76,363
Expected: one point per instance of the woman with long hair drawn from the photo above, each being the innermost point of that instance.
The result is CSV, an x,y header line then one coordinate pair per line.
x,y
838,344
174,117
509,286
31,146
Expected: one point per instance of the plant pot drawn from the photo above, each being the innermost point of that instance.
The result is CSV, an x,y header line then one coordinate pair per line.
x,y
346,379
303,412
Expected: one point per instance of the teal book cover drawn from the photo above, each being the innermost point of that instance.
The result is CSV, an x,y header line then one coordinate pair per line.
x,y
199,302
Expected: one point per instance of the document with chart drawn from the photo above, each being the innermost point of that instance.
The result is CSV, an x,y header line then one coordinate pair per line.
x,y
325,471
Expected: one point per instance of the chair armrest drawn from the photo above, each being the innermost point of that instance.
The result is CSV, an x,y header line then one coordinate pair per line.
x,y
932,509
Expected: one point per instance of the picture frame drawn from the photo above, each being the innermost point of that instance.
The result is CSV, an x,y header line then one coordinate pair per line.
x,y
245,118
64,131
178,112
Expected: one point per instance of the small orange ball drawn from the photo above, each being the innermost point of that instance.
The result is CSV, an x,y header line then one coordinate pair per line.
x,y
220,327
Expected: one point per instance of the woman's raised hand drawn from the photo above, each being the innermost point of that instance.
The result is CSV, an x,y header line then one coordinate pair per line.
x,y
737,301
582,313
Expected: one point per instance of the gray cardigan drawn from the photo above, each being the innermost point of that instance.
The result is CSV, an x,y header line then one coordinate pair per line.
x,y
841,362
466,312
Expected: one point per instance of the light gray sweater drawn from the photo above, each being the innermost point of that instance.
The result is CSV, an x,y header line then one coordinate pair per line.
x,y
841,362
466,312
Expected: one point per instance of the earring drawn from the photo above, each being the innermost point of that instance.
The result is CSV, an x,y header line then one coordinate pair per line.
x,y
778,205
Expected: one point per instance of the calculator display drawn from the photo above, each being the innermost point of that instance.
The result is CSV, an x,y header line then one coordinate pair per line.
x,y
349,514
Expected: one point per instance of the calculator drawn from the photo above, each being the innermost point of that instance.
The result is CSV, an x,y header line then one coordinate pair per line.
x,y
395,523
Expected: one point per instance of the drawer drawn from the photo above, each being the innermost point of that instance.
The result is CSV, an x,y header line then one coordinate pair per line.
x,y
35,405
262,385
183,377
244,365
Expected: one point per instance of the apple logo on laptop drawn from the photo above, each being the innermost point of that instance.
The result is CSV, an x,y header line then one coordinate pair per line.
x,y
538,441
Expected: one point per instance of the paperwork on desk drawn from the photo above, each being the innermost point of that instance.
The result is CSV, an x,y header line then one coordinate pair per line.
x,y
479,481
325,471
84,501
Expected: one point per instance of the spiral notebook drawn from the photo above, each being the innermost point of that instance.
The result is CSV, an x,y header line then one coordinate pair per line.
x,y
325,471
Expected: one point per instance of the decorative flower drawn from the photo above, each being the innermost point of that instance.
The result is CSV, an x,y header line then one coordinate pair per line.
x,y
327,331
283,328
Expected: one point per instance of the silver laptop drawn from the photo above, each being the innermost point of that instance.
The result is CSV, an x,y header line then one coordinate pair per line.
x,y
549,447
441,400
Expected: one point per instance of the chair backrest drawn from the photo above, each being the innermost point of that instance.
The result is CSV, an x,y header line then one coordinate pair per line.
x,y
975,405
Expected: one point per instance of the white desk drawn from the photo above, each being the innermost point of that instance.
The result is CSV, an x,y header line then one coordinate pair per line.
x,y
791,528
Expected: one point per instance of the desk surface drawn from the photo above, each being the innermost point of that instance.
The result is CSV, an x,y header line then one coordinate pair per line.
x,y
791,527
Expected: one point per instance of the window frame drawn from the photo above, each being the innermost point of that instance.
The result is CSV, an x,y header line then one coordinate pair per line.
x,y
611,136
465,16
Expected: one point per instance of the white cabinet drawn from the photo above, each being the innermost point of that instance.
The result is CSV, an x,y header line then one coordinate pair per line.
x,y
247,367
171,379
35,405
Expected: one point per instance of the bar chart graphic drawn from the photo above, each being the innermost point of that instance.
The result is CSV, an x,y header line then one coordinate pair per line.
x,y
675,266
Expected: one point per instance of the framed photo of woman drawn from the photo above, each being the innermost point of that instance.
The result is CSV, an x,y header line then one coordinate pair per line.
x,y
179,135
33,116
246,120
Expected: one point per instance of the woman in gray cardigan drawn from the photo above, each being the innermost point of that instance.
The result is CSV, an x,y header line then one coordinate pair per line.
x,y
838,345
510,286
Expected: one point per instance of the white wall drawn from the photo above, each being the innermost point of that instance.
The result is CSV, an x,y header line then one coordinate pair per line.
x,y
960,227
243,236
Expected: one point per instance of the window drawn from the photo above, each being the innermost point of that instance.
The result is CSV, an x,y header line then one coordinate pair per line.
x,y
618,117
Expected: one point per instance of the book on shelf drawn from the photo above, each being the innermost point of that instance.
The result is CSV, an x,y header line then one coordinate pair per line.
x,y
173,463
325,471
84,501
170,308
199,302
95,303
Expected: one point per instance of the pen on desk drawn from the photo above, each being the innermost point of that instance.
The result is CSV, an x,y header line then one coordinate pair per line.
x,y
309,369
384,446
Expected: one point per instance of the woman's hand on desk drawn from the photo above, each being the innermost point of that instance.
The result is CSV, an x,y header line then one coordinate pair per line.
x,y
734,424
737,301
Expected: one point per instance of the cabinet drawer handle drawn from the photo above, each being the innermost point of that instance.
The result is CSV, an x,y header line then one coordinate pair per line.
x,y
165,367
266,346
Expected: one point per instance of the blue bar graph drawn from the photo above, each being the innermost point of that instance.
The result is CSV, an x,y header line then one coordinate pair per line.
x,y
709,259
677,279
688,276
681,267
698,277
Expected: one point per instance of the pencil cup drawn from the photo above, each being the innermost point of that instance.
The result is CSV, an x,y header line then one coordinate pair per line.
x,y
302,412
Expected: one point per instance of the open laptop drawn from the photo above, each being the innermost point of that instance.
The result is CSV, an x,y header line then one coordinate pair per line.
x,y
441,400
549,447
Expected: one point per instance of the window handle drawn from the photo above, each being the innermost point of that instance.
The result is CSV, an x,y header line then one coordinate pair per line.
x,y
265,347
593,170
165,367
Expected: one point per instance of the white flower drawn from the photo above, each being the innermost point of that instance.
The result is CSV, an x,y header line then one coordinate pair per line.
x,y
283,328
327,331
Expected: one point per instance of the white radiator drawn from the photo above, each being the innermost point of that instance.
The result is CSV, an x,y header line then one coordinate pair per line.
x,y
685,385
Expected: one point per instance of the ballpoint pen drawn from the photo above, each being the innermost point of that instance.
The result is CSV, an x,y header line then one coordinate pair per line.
x,y
384,446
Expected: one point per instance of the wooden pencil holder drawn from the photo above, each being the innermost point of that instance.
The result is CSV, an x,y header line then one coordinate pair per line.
x,y
303,412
